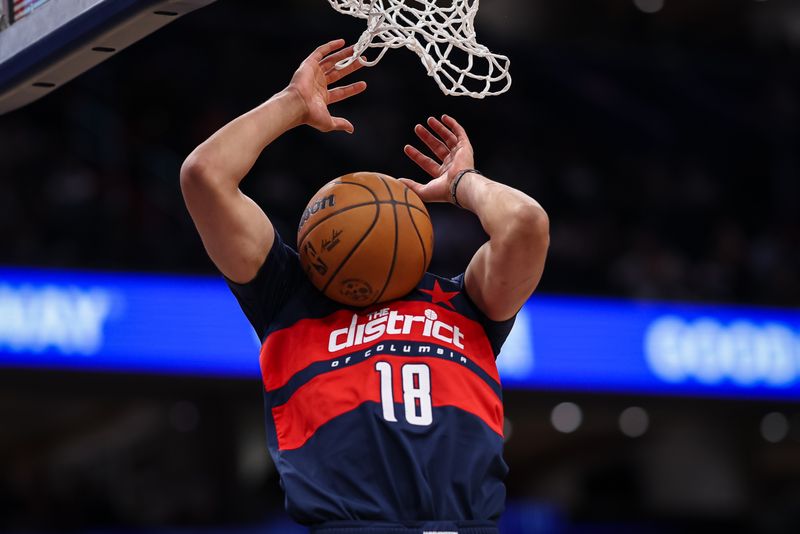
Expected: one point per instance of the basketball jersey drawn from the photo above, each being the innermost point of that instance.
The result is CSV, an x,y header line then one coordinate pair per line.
x,y
391,412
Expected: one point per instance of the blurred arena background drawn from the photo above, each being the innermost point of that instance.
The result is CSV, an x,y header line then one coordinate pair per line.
x,y
653,386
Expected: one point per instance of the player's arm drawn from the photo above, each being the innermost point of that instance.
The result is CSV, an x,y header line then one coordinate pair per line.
x,y
506,270
235,231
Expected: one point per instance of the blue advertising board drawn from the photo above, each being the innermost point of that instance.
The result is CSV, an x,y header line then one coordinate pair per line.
x,y
193,325
105,322
599,345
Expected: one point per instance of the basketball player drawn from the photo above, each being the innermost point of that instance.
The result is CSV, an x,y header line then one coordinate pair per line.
x,y
402,433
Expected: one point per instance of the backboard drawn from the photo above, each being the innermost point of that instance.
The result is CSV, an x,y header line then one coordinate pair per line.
x,y
46,43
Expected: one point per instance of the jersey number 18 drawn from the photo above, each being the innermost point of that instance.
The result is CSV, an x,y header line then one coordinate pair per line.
x,y
416,393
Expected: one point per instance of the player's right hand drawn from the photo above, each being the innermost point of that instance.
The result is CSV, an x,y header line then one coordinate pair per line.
x,y
453,151
311,84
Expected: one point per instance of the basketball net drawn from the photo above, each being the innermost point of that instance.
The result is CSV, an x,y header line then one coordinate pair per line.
x,y
440,32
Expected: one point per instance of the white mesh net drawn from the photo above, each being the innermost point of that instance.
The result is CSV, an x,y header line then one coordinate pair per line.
x,y
440,32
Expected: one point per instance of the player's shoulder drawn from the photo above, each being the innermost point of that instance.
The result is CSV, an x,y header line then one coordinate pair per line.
x,y
450,292
446,292
455,283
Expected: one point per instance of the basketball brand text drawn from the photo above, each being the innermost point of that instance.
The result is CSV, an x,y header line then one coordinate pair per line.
x,y
327,202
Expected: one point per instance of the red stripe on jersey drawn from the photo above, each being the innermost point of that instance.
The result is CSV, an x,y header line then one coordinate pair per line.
x,y
292,349
332,394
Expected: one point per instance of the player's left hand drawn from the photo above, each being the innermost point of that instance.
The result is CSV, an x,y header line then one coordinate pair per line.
x,y
451,147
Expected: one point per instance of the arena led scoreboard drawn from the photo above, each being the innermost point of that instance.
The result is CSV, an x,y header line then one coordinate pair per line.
x,y
179,325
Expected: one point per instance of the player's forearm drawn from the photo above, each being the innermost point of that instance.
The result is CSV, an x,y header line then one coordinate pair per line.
x,y
506,214
227,156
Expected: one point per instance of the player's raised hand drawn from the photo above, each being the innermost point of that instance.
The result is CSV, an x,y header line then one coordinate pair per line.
x,y
450,145
311,83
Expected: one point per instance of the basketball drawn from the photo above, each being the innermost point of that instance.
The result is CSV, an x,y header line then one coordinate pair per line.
x,y
365,238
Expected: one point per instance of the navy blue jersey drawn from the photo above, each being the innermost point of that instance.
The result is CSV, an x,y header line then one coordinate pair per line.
x,y
387,413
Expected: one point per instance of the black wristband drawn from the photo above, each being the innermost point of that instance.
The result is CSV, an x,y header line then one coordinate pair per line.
x,y
454,187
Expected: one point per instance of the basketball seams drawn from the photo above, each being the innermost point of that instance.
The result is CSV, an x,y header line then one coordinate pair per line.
x,y
356,246
317,223
396,239
412,206
330,216
360,205
419,235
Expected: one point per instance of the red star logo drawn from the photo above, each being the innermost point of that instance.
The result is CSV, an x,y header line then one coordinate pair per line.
x,y
440,297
